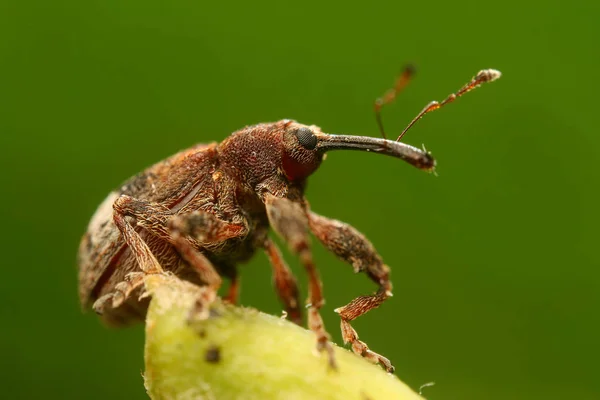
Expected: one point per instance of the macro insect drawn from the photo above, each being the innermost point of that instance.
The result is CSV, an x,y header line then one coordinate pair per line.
x,y
201,212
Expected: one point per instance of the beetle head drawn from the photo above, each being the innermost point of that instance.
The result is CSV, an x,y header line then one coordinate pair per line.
x,y
304,147
300,156
294,150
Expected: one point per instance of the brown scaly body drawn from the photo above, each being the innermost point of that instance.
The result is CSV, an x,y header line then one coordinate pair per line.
x,y
201,212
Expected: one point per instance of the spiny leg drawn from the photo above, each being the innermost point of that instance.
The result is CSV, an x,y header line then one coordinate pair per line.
x,y
288,219
124,289
205,270
284,282
207,228
159,221
126,312
483,76
351,246
126,206
391,94
187,232
153,217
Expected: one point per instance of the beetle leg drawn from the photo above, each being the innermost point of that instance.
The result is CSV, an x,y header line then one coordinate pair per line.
x,y
288,219
128,206
351,246
285,283
233,291
187,231
101,303
126,311
205,270
123,290
184,231
205,228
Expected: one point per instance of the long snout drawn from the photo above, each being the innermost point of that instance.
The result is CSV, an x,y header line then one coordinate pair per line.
x,y
412,155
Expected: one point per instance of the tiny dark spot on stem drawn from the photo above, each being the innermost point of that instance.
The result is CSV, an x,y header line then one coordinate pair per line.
x,y
202,333
213,354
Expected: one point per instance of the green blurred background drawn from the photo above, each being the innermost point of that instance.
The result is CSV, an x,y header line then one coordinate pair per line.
x,y
495,264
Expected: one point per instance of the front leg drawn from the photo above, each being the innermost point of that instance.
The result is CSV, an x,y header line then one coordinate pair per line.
x,y
351,246
289,220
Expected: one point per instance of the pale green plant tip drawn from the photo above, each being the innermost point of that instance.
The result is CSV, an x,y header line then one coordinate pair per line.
x,y
240,353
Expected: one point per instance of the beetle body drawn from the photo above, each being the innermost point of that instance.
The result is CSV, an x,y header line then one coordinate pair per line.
x,y
203,211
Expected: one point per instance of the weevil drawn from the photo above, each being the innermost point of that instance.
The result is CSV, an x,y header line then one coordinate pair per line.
x,y
203,211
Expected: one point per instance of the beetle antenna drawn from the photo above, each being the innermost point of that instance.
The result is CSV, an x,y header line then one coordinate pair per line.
x,y
483,76
390,95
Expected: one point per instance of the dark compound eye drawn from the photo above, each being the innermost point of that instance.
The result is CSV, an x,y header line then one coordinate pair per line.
x,y
306,138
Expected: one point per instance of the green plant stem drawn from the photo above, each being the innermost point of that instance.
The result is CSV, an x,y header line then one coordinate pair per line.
x,y
240,353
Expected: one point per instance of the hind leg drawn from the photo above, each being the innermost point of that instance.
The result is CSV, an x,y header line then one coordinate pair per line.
x,y
121,292
127,311
284,282
188,232
288,219
143,212
185,232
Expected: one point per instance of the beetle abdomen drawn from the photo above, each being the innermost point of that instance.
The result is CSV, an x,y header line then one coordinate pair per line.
x,y
98,247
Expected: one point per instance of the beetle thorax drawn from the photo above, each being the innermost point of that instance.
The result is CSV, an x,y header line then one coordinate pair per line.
x,y
252,154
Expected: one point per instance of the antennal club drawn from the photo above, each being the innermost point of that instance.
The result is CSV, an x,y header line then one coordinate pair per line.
x,y
390,95
486,75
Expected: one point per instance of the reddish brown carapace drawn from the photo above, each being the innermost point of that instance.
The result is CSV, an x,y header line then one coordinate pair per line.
x,y
205,210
